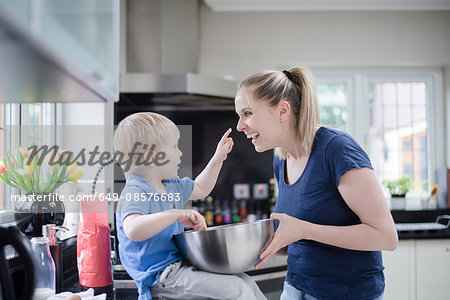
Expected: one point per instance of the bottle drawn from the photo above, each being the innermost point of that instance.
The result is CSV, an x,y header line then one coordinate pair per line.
x,y
195,205
49,231
209,215
272,196
45,268
226,213
251,217
202,208
243,211
235,212
259,213
218,215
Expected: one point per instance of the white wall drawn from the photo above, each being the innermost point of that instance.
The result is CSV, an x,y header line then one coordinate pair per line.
x,y
238,44
86,125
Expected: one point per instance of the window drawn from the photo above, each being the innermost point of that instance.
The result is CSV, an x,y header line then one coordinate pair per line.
x,y
7,136
23,124
394,114
332,97
398,122
2,150
407,144
37,124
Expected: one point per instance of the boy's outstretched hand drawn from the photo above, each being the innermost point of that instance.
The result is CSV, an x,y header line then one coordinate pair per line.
x,y
192,218
205,181
224,147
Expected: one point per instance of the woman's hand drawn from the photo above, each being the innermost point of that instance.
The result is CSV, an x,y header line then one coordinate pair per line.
x,y
289,230
192,218
224,147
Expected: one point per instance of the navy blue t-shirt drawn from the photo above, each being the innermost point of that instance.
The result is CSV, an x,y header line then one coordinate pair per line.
x,y
321,270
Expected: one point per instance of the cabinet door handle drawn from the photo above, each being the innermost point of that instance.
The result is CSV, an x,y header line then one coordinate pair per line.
x,y
447,249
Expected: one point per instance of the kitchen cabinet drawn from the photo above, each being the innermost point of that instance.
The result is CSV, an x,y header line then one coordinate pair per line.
x,y
432,269
418,270
400,271
59,51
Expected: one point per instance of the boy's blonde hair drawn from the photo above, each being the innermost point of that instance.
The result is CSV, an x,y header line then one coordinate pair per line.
x,y
146,128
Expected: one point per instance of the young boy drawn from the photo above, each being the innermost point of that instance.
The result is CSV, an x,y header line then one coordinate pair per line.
x,y
146,222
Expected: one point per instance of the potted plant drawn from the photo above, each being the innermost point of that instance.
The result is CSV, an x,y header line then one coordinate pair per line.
x,y
398,189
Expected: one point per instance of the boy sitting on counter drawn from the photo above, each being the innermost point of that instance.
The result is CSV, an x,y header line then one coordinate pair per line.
x,y
150,211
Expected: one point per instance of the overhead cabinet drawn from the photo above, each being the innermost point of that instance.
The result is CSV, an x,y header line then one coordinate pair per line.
x,y
59,50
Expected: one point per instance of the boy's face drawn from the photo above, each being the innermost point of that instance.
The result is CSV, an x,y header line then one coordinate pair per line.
x,y
173,156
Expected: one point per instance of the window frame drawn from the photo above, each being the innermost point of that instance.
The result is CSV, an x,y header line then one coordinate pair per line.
x,y
359,106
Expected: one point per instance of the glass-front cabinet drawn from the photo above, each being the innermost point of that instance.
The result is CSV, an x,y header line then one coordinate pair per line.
x,y
59,40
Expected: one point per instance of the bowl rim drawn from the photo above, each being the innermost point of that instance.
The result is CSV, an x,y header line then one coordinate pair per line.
x,y
215,228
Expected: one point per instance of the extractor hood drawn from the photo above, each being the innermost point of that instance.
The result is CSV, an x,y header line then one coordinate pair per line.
x,y
192,89
160,61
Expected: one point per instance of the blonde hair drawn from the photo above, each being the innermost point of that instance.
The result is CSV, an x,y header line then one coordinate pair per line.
x,y
146,128
296,86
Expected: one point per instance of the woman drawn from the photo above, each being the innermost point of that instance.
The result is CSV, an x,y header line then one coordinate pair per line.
x,y
332,214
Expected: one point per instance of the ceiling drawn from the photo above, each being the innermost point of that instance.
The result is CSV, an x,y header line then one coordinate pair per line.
x,y
327,5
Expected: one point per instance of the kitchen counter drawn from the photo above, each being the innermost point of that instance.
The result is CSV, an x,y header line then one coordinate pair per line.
x,y
420,216
415,216
125,288
420,235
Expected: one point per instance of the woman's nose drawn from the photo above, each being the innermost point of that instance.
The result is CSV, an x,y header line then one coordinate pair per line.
x,y
240,125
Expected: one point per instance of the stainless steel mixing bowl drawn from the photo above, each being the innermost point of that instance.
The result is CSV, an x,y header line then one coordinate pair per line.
x,y
226,249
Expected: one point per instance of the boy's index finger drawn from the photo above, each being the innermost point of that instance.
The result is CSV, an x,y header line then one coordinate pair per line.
x,y
225,135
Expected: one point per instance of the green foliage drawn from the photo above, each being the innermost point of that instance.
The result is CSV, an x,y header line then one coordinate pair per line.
x,y
399,186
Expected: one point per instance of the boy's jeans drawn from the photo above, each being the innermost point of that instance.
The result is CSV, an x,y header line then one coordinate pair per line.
x,y
182,281
291,293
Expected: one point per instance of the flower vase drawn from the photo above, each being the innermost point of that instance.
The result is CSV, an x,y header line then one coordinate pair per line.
x,y
35,209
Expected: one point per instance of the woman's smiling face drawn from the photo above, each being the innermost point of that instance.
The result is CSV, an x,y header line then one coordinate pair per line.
x,y
257,120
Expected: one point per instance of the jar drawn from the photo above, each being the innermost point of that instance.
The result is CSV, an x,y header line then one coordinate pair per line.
x,y
45,268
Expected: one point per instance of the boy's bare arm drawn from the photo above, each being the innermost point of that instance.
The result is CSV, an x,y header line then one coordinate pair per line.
x,y
142,227
205,181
